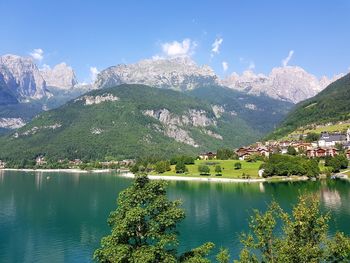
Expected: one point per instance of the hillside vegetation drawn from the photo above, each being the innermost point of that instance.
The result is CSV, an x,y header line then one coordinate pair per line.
x,y
262,113
120,128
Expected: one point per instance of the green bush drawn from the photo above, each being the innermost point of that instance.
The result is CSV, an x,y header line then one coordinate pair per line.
x,y
218,170
180,168
237,166
203,169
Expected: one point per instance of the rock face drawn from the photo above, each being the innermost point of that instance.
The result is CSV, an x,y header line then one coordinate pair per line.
x,y
91,100
175,126
61,76
175,73
11,123
22,77
288,83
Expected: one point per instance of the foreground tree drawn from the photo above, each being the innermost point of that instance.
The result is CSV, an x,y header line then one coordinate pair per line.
x,y
303,238
144,227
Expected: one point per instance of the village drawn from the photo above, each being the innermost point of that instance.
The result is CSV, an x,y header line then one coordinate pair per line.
x,y
328,144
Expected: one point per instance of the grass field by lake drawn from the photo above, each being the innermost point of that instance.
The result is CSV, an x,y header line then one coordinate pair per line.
x,y
227,167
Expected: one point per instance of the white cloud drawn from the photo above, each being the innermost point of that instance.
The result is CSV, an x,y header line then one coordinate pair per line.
x,y
286,60
178,49
216,46
37,54
224,66
93,73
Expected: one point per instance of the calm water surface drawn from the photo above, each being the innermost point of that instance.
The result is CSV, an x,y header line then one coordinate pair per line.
x,y
63,217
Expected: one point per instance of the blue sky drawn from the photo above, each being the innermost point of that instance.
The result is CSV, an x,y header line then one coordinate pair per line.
x,y
250,34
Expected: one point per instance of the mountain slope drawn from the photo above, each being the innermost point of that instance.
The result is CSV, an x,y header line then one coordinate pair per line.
x,y
261,113
332,104
125,122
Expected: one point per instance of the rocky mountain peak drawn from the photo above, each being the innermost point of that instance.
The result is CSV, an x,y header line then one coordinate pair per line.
x,y
289,83
61,76
22,77
180,73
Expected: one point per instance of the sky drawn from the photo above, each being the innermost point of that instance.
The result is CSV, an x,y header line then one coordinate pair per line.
x,y
230,36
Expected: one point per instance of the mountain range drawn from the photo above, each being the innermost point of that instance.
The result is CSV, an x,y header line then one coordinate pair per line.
x,y
292,84
80,118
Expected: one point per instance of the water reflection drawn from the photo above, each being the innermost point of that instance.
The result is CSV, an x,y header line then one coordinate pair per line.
x,y
62,219
262,187
331,198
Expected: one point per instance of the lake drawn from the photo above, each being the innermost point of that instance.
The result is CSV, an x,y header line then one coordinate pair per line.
x,y
61,217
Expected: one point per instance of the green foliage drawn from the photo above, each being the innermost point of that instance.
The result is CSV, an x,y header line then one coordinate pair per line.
x,y
224,154
223,256
186,159
302,238
312,137
254,157
286,165
337,162
340,148
143,225
198,255
338,248
180,168
218,170
144,228
162,166
291,150
203,169
330,105
238,166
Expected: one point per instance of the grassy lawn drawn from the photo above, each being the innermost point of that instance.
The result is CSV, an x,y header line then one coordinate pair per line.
x,y
227,167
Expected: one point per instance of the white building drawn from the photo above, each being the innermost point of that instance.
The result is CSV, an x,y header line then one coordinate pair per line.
x,y
330,140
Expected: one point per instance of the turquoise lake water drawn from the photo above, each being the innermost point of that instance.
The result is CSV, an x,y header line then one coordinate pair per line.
x,y
61,217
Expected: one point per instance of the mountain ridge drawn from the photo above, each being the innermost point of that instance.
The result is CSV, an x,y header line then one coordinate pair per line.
x,y
330,105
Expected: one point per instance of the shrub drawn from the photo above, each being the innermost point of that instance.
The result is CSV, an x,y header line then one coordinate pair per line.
x,y
203,169
218,170
237,166
180,168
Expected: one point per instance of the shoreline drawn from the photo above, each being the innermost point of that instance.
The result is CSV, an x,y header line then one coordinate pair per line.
x,y
218,180
127,174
